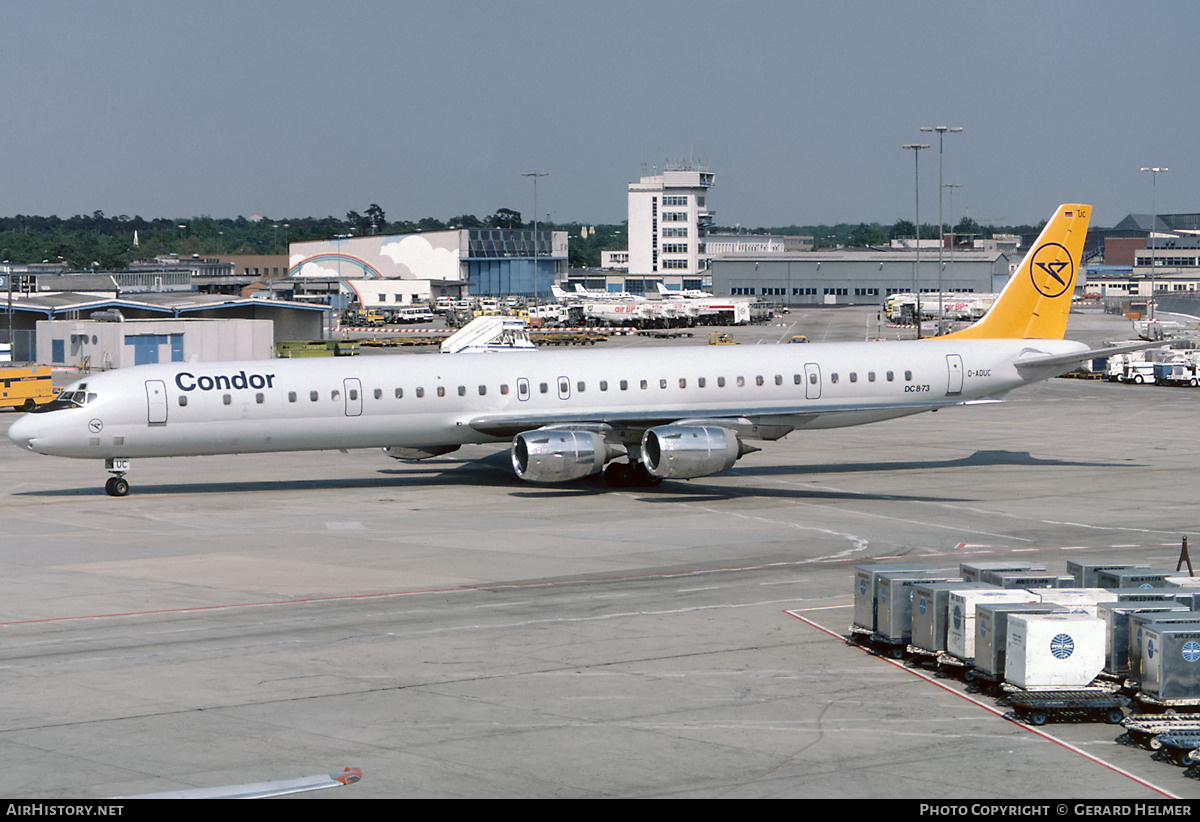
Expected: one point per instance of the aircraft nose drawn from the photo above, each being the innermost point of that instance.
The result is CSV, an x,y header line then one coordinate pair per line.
x,y
24,431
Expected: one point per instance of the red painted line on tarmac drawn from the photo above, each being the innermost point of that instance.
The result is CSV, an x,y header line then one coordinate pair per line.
x,y
459,589
483,587
992,549
990,709
230,606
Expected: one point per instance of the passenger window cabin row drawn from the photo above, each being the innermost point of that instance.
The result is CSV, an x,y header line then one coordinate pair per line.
x,y
564,387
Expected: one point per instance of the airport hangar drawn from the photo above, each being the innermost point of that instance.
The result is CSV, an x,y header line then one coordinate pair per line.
x,y
70,328
401,269
813,278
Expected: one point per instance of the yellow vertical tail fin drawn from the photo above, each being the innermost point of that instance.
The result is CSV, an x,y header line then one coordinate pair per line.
x,y
1037,299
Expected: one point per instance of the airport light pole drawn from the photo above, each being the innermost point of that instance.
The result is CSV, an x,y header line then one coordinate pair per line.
x,y
953,233
916,150
1154,170
941,133
535,175
8,280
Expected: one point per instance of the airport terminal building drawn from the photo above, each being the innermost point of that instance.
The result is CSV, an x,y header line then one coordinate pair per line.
x,y
857,277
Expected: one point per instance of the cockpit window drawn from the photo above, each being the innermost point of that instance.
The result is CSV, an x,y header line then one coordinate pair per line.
x,y
76,396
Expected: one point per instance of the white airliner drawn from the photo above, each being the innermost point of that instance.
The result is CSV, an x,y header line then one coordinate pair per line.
x,y
675,413
684,293
607,296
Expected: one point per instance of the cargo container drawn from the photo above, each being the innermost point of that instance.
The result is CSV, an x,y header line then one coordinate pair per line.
x,y
1028,579
930,613
1137,639
865,589
1116,629
1053,650
1085,572
1184,596
1079,600
1171,662
1134,578
894,602
960,633
991,631
974,571
1152,595
1182,581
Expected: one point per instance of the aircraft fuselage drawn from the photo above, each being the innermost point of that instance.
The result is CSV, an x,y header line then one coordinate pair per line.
x,y
184,409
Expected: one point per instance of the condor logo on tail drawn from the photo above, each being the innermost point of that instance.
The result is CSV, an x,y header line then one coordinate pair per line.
x,y
1053,263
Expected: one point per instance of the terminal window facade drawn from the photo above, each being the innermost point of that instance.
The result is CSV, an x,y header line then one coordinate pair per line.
x,y
1185,262
503,242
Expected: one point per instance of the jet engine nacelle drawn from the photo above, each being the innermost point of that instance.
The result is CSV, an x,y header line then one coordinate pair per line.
x,y
686,451
558,454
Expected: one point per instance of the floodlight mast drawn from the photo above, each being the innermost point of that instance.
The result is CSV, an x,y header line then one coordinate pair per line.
x,y
917,148
1154,170
941,133
535,175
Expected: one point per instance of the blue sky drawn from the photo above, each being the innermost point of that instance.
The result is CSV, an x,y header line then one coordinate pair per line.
x,y
174,109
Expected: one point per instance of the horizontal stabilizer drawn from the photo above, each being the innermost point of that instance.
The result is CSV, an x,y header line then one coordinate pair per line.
x,y
1044,360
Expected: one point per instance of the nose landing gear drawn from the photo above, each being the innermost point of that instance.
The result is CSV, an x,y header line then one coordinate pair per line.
x,y
116,486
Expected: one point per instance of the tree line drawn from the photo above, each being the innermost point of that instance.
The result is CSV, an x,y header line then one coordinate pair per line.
x,y
870,235
107,243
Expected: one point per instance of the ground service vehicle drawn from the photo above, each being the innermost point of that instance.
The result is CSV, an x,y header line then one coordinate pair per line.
x,y
25,387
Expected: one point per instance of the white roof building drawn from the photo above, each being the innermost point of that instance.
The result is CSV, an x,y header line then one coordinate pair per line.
x,y
668,221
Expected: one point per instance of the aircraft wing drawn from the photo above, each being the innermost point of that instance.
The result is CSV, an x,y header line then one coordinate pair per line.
x,y
764,423
1042,361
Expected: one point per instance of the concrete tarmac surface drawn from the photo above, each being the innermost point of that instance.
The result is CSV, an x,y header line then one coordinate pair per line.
x,y
455,632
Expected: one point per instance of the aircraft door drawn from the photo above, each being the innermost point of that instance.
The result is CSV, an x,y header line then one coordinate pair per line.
x,y
812,381
564,388
156,402
522,388
353,390
954,365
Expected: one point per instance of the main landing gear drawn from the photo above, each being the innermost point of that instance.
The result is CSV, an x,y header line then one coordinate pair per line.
x,y
629,475
117,486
